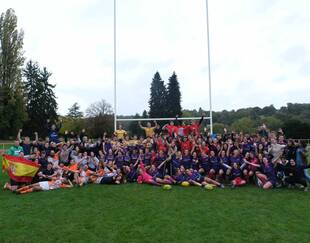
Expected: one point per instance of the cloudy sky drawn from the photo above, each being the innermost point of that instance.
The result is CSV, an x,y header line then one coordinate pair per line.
x,y
260,49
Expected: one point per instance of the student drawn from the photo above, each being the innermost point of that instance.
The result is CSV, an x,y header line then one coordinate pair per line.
x,y
112,177
16,149
144,177
267,176
81,178
225,168
53,131
26,143
187,160
215,165
48,173
295,174
275,150
171,129
120,133
149,130
236,176
205,165
194,127
45,186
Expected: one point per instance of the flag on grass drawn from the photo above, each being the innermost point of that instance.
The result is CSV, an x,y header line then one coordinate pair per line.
x,y
19,169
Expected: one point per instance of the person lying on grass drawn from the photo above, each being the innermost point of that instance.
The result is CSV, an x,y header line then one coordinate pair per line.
x,y
145,177
193,178
45,186
106,175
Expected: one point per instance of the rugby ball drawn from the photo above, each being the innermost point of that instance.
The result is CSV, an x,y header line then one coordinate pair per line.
x,y
209,187
167,187
185,183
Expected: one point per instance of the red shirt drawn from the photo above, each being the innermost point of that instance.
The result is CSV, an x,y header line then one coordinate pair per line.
x,y
187,145
205,149
194,128
172,129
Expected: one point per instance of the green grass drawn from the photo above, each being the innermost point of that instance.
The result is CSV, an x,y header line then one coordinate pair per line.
x,y
142,213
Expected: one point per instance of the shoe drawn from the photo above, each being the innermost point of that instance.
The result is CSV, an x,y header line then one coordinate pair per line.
x,y
5,187
222,186
305,189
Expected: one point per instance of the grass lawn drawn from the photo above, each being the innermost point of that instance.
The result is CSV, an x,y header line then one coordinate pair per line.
x,y
142,213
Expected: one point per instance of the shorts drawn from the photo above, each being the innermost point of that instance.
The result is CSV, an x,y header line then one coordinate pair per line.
x,y
44,185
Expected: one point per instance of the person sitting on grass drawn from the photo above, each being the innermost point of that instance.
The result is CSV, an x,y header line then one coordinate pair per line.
x,y
294,174
266,176
236,176
48,173
81,178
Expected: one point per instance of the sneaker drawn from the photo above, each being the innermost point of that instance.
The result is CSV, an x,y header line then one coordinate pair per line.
x,y
222,186
5,187
305,189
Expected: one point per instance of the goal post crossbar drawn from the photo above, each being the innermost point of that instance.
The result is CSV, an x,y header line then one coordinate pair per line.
x,y
161,119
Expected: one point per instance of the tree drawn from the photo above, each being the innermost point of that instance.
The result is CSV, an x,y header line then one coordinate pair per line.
x,y
272,122
74,112
99,108
244,124
173,106
12,107
158,97
144,114
41,100
99,118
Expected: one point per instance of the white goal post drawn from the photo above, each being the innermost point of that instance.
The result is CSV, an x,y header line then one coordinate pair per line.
x,y
160,118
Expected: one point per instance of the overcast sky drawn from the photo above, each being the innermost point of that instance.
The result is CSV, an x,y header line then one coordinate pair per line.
x,y
260,50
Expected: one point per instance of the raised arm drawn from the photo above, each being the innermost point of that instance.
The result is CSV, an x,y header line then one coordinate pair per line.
x,y
140,125
18,135
162,163
201,119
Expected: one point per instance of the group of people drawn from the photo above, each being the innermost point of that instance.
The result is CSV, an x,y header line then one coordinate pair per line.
x,y
174,154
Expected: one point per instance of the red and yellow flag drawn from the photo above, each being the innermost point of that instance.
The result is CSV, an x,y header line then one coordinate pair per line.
x,y
19,169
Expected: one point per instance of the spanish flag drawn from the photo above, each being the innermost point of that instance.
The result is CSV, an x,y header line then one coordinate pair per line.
x,y
19,169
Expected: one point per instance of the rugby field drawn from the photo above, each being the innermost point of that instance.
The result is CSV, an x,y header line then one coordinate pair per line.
x,y
142,213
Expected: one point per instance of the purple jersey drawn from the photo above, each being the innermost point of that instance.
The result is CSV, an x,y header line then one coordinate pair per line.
x,y
180,178
195,176
215,163
235,173
147,158
127,160
238,160
205,164
109,158
270,173
187,161
119,161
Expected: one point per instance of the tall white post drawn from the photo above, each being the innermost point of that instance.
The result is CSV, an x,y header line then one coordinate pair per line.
x,y
209,68
115,112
